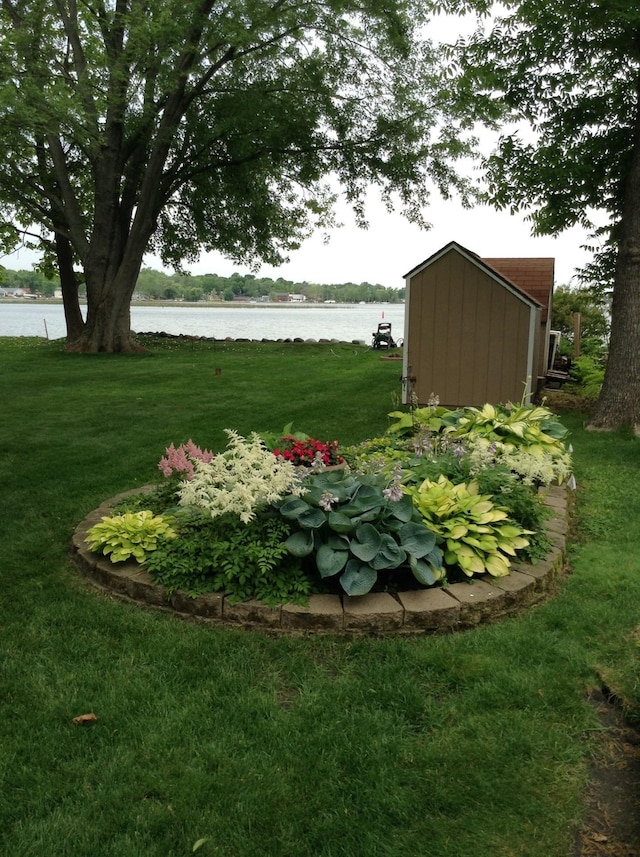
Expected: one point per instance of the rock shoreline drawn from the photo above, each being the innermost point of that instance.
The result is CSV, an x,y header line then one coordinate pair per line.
x,y
186,337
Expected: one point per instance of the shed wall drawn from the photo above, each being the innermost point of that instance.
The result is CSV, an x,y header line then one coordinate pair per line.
x,y
469,339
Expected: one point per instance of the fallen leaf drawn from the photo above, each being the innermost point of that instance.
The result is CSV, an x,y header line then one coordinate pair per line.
x,y
85,718
598,837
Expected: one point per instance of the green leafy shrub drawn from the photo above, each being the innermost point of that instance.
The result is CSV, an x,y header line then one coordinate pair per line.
x,y
475,534
378,455
226,555
434,418
356,527
131,534
587,375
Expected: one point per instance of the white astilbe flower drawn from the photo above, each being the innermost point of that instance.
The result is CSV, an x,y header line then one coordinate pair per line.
x,y
534,465
239,480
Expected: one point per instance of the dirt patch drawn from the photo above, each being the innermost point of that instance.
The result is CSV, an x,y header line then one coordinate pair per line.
x,y
566,400
612,824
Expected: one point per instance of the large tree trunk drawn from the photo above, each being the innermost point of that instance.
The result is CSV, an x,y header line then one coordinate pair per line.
x,y
108,324
619,402
69,283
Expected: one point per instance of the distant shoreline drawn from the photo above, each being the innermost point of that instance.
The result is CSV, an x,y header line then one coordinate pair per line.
x,y
218,304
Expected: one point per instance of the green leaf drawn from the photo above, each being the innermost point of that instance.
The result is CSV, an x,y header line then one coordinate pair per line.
x,y
300,543
416,539
198,845
422,571
366,543
312,519
293,508
330,562
390,554
403,509
336,542
341,523
357,578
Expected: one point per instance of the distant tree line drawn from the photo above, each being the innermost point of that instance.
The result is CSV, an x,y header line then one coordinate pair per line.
x,y
156,285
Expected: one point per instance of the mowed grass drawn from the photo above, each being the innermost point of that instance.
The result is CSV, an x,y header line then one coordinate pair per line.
x,y
470,744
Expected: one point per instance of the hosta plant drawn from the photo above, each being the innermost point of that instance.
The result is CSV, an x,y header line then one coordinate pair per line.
x,y
356,526
474,534
132,534
520,425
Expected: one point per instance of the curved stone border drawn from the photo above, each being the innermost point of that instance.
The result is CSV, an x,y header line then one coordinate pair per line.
x,y
454,607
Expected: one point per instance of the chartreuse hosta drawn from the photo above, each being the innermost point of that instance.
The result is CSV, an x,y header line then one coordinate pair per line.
x,y
473,533
132,534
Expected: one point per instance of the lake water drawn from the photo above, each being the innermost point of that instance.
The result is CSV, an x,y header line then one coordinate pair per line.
x,y
343,322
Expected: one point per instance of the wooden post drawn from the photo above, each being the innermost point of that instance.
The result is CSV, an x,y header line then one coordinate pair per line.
x,y
576,335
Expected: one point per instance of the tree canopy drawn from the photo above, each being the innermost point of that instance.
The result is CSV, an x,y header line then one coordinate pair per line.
x,y
176,126
562,82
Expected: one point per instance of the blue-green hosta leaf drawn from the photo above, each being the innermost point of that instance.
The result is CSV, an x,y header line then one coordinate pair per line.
x,y
358,578
416,539
402,509
366,500
341,523
300,543
336,542
312,519
366,543
330,562
422,571
390,554
367,517
293,508
554,429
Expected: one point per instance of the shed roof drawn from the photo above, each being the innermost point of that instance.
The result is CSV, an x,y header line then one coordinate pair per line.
x,y
532,277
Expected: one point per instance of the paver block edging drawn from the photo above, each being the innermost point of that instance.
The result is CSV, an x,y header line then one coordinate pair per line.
x,y
446,609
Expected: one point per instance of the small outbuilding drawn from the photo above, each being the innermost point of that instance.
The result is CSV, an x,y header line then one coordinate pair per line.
x,y
476,330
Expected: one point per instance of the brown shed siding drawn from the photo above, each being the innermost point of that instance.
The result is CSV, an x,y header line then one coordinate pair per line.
x,y
469,336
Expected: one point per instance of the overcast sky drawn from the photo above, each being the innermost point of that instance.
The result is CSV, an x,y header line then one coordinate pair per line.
x,y
392,246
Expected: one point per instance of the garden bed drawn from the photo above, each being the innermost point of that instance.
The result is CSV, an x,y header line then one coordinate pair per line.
x,y
445,609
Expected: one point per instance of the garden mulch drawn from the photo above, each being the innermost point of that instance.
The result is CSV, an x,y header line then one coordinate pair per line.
x,y
612,824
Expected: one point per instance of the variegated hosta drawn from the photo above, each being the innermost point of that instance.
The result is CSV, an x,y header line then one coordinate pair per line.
x,y
474,534
527,425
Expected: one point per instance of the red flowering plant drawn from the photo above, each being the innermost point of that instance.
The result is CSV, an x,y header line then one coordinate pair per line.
x,y
308,452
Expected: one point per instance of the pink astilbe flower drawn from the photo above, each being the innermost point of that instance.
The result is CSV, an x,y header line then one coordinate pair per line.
x,y
180,460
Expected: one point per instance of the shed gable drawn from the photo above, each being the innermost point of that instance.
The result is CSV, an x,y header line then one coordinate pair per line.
x,y
472,333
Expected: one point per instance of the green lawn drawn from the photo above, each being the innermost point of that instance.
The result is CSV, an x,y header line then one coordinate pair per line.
x,y
470,744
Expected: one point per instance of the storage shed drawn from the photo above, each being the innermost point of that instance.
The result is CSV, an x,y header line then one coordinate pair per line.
x,y
476,329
